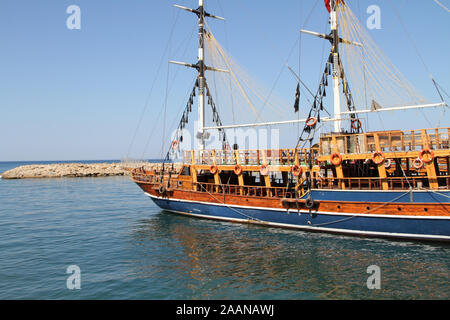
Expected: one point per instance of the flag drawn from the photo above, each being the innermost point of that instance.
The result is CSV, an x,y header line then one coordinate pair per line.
x,y
375,106
327,4
297,99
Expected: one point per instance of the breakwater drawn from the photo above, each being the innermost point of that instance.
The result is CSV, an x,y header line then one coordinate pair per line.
x,y
75,170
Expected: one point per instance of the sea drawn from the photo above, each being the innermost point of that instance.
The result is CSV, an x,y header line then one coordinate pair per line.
x,y
102,238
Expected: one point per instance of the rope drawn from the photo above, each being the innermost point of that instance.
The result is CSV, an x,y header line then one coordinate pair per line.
x,y
165,110
441,194
367,212
441,5
383,82
231,208
152,86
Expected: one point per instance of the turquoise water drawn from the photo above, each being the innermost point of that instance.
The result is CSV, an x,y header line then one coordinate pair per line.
x,y
127,248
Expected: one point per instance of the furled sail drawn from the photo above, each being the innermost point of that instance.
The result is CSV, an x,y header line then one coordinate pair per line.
x,y
246,98
374,81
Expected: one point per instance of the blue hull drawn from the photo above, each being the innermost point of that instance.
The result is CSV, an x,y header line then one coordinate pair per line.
x,y
406,227
382,196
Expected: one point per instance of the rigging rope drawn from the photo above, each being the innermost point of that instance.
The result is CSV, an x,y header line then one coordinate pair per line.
x,y
384,82
367,212
153,85
444,7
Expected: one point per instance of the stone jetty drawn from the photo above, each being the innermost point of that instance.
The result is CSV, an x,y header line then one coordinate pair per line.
x,y
76,170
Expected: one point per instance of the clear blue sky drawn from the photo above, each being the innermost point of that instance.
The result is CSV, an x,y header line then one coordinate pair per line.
x,y
79,94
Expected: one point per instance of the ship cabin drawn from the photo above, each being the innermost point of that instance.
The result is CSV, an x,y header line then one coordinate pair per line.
x,y
384,160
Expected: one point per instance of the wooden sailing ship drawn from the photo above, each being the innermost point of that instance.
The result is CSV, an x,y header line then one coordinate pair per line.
x,y
393,184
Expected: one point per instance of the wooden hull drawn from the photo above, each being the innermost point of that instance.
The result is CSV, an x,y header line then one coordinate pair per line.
x,y
387,215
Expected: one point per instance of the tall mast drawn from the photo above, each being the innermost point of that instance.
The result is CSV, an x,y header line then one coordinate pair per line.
x,y
201,74
201,67
336,70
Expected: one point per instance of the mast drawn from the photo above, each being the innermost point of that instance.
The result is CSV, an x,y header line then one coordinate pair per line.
x,y
336,70
201,74
201,67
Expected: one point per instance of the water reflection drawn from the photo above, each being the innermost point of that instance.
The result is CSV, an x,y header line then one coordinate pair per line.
x,y
203,259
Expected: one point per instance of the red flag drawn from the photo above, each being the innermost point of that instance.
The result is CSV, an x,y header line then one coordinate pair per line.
x,y
327,4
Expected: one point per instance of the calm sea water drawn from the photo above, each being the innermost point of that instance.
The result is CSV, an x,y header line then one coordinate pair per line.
x,y
127,248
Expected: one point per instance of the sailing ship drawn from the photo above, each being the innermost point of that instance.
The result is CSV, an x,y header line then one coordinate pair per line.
x,y
389,184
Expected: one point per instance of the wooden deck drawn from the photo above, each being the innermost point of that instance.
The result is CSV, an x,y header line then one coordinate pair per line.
x,y
390,160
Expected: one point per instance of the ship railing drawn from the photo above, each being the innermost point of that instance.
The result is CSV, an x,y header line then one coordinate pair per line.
x,y
248,191
376,183
281,157
144,178
385,141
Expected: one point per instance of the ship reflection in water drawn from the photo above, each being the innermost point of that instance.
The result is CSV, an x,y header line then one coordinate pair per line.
x,y
198,259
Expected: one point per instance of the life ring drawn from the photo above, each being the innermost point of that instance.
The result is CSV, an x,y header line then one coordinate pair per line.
x,y
336,159
388,164
430,157
418,164
311,122
264,170
175,144
356,124
237,170
297,170
162,189
213,169
309,203
378,154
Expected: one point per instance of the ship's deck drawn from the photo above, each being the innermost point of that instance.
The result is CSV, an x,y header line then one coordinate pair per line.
x,y
388,160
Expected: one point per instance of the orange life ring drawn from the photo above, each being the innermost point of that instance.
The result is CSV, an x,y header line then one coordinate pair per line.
x,y
175,144
336,159
418,164
213,169
428,152
358,124
311,122
297,170
264,170
378,154
238,170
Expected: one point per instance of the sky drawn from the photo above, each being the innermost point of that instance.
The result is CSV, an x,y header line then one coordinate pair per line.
x,y
99,92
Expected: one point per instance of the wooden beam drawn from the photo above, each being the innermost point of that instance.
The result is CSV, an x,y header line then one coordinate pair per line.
x,y
240,177
431,169
381,168
339,171
194,171
217,174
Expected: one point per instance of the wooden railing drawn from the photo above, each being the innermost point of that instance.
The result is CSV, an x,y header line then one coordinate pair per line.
x,y
249,191
398,183
389,141
252,157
